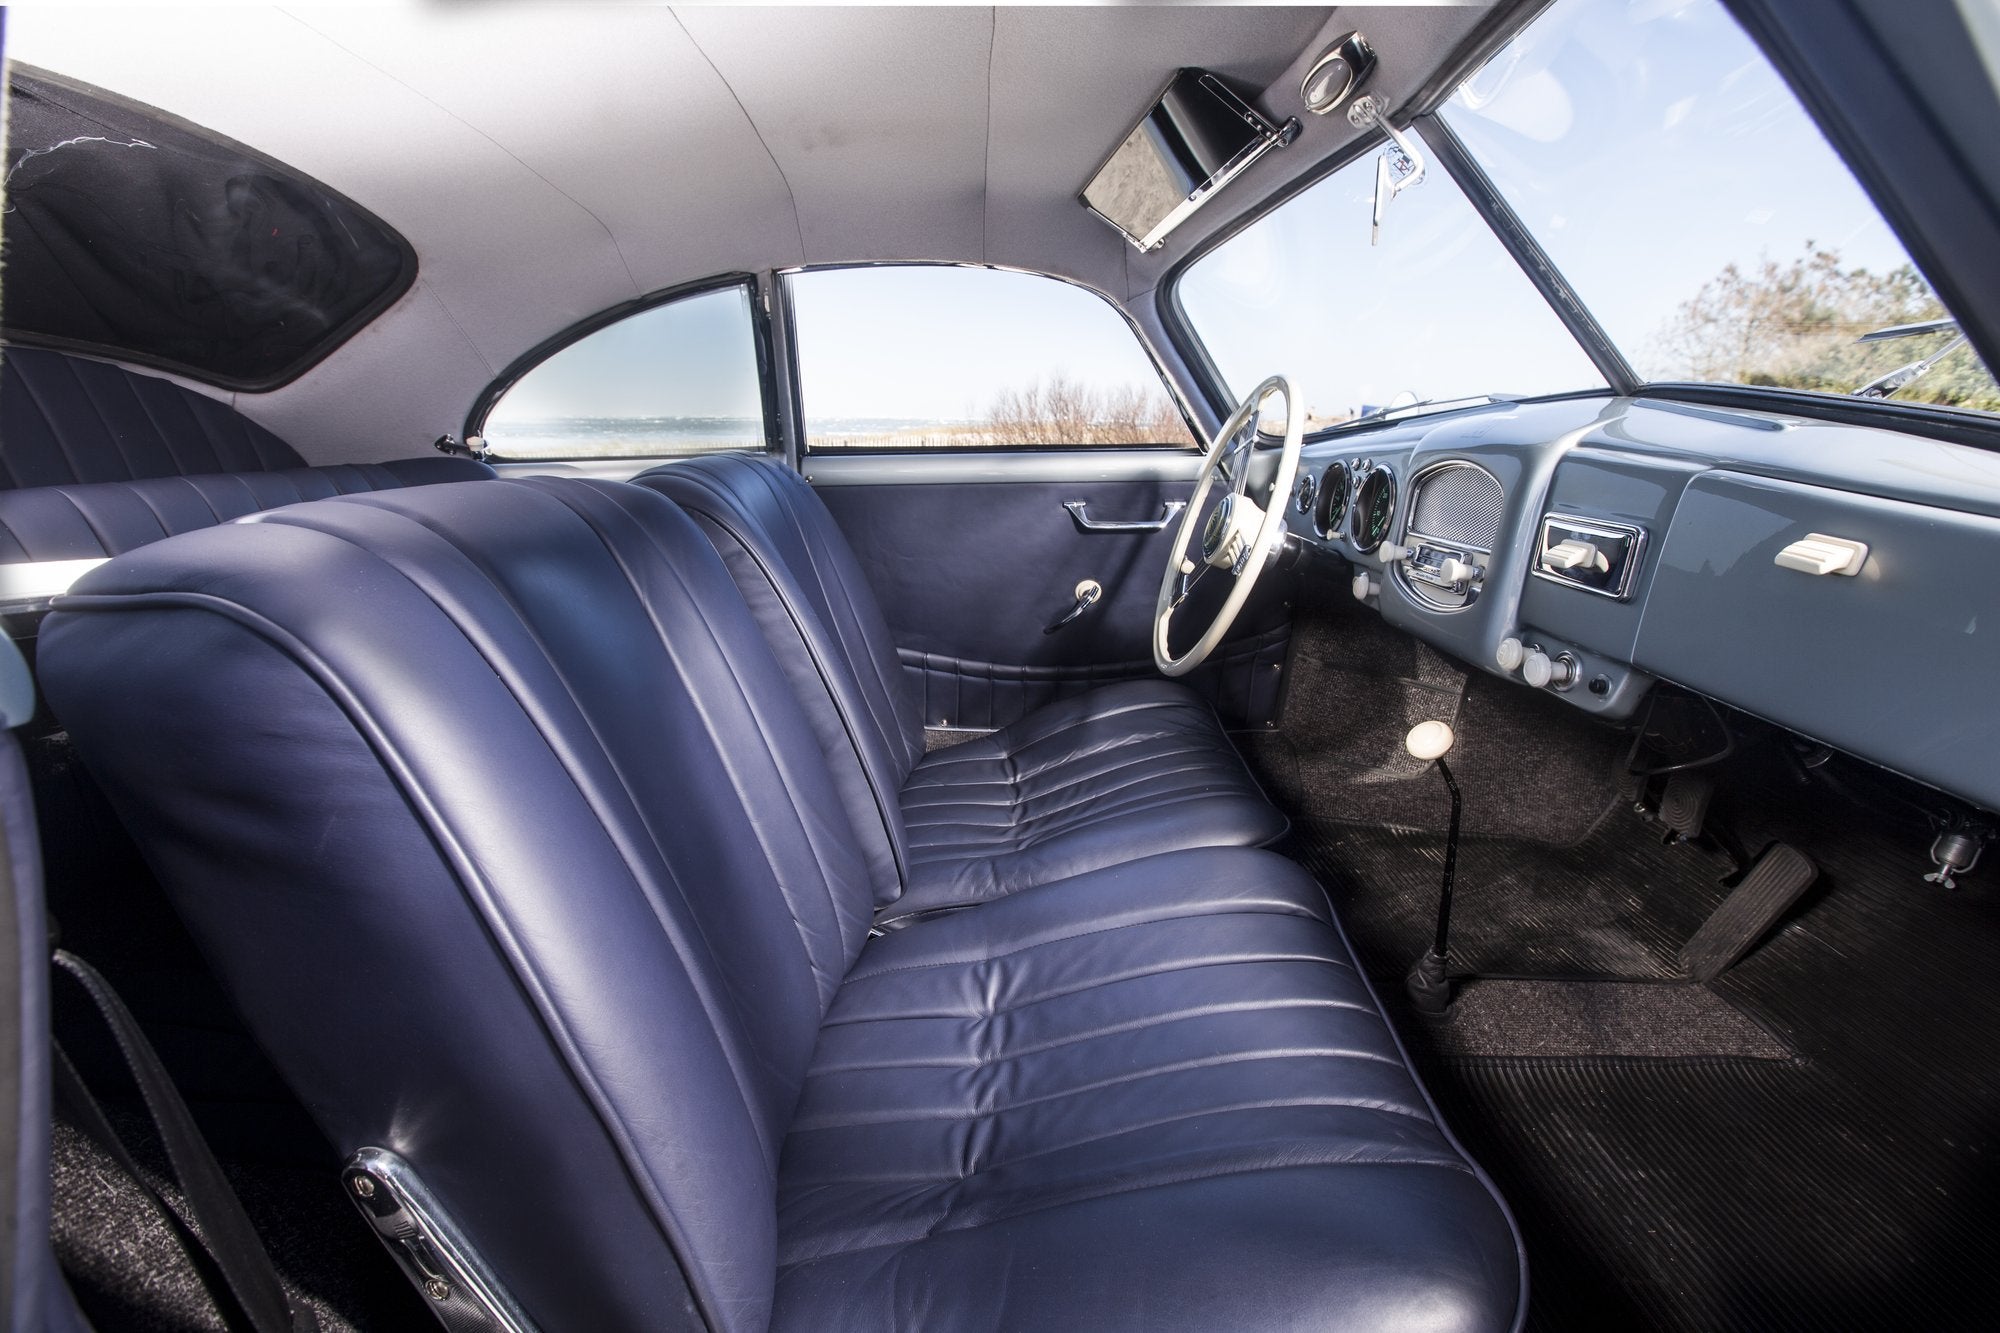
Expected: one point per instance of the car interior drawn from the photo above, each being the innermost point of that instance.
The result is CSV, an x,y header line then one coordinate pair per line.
x,y
1012,667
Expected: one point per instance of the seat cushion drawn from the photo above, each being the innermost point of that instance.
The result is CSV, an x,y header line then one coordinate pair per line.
x,y
1118,772
1155,1096
1121,772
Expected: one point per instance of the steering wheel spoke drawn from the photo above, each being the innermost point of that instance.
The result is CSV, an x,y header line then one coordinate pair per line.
x,y
1236,534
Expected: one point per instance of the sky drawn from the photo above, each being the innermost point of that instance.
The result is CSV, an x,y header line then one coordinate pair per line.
x,y
1646,143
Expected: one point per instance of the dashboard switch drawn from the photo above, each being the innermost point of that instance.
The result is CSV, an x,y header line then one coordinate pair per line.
x,y
1365,586
1509,654
1537,669
1574,554
1817,553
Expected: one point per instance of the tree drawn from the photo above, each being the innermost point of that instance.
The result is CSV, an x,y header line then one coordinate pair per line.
x,y
1795,326
1060,410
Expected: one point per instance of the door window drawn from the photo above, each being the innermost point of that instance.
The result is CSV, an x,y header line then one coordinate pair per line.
x,y
896,357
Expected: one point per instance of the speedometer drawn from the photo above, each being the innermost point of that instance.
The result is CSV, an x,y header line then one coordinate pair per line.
x,y
1332,506
1374,509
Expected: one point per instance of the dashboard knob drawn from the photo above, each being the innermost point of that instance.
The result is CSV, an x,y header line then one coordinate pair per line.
x,y
1365,585
1454,570
1509,654
1537,669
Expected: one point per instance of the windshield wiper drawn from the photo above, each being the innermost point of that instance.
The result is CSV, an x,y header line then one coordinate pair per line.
x,y
1902,375
1384,413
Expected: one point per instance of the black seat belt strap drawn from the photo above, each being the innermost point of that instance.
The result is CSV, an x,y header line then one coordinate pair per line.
x,y
223,1228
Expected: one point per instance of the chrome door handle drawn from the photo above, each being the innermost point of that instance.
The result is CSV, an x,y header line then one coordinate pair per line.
x,y
1078,510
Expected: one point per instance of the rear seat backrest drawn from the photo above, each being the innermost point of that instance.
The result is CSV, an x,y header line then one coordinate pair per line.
x,y
113,517
586,1017
66,420
96,460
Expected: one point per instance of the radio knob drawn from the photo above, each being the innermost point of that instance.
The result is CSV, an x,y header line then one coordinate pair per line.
x,y
1509,654
1454,570
1537,669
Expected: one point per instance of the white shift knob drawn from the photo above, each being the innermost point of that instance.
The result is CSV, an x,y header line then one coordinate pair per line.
x,y
1428,741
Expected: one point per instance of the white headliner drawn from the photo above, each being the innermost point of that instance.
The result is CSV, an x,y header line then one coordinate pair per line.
x,y
549,162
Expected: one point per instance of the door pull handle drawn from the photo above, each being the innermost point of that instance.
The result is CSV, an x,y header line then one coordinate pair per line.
x,y
1080,511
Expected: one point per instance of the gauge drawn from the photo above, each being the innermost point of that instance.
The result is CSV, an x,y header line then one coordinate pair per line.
x,y
1302,494
1374,509
1332,507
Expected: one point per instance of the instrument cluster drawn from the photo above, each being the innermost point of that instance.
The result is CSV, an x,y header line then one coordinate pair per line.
x,y
1350,502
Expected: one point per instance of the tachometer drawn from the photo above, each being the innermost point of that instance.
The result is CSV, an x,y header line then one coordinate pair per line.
x,y
1332,505
1374,509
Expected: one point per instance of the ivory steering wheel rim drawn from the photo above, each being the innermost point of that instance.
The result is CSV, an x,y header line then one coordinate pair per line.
x,y
1239,536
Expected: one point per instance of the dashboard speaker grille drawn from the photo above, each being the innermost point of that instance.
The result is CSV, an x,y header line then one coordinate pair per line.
x,y
1458,505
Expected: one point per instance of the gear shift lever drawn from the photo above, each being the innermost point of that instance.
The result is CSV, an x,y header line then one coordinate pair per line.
x,y
1428,986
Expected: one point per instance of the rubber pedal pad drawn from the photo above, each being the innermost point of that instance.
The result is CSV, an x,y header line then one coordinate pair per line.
x,y
1684,804
1781,874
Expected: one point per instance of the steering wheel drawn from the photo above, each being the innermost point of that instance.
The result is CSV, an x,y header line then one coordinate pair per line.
x,y
1238,536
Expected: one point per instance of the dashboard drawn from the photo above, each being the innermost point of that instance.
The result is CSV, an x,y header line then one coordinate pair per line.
x,y
1837,580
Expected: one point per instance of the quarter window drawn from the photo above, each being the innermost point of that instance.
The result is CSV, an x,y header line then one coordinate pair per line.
x,y
677,379
934,357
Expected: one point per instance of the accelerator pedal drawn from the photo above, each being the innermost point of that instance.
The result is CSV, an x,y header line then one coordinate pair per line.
x,y
1781,874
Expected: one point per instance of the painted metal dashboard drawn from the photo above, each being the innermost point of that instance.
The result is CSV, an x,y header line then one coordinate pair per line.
x,y
1837,580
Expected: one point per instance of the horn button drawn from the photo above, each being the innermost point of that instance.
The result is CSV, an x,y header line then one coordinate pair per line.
x,y
1225,538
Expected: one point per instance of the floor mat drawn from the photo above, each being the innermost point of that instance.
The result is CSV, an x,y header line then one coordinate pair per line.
x,y
1356,685
1619,904
1661,1186
1662,1020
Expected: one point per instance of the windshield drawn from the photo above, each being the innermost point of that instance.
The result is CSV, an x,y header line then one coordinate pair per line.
x,y
1676,182
1435,314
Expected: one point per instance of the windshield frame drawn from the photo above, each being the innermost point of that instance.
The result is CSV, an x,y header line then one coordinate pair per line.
x,y
1952,424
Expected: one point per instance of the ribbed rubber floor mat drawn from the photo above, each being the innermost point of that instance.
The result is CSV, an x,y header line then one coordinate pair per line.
x,y
1726,1194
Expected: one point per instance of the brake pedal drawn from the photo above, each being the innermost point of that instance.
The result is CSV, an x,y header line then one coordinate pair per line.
x,y
1781,874
1684,804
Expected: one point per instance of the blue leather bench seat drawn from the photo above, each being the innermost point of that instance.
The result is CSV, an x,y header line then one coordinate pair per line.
x,y
112,517
1118,772
504,826
96,460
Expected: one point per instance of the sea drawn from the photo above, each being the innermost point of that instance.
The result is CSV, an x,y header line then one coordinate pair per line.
x,y
656,437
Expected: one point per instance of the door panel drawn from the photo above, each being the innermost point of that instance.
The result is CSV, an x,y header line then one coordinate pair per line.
x,y
974,555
